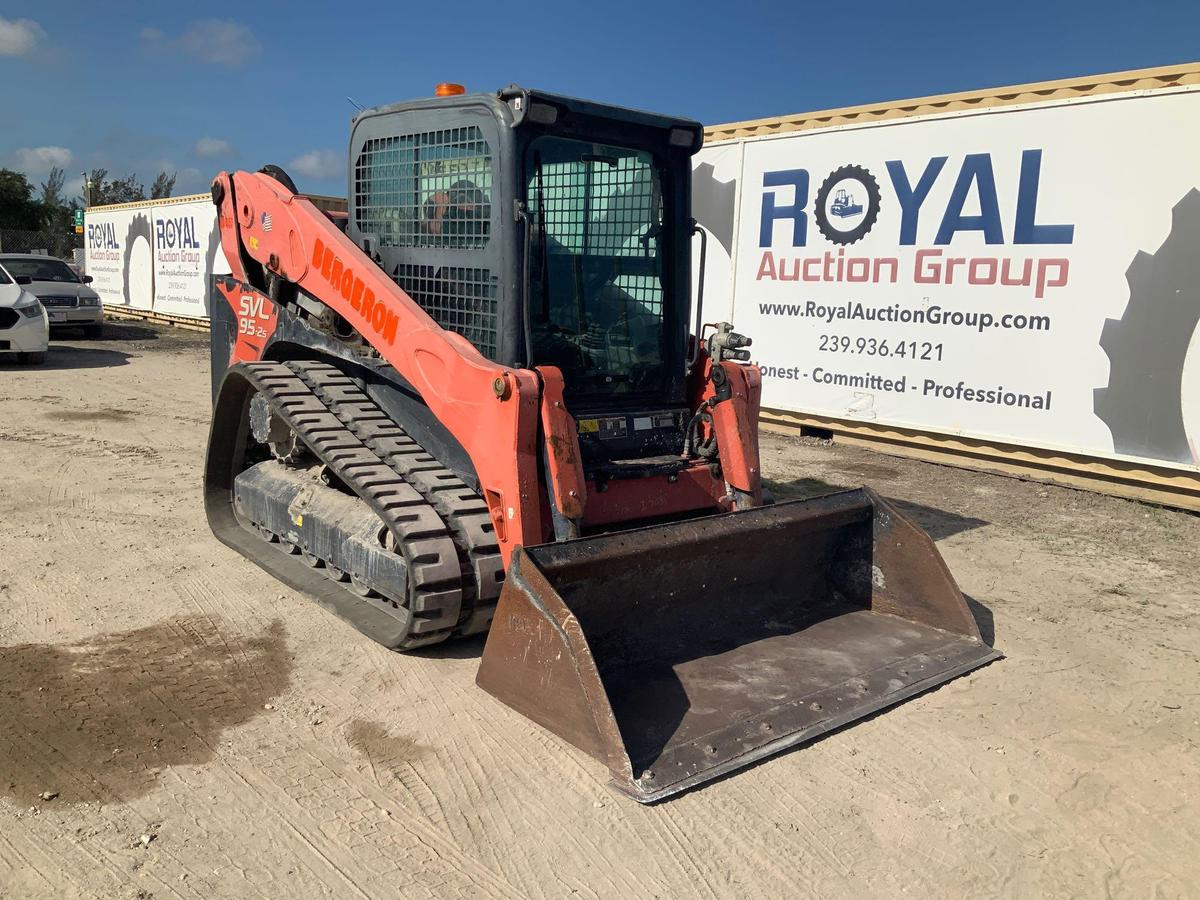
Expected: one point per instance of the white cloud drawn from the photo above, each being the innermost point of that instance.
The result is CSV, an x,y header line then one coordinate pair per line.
x,y
19,37
218,41
211,147
323,164
40,160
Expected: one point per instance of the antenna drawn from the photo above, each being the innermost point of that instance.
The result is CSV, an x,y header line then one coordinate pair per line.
x,y
356,104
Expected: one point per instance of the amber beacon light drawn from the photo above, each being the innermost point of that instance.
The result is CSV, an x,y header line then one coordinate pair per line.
x,y
449,89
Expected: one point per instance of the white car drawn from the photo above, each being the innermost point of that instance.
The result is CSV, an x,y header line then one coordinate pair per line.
x,y
67,297
24,325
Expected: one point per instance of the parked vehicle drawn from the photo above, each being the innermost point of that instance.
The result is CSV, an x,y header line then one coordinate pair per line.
x,y
65,295
24,325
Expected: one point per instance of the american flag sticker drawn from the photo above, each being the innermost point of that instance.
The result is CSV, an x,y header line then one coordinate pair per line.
x,y
266,221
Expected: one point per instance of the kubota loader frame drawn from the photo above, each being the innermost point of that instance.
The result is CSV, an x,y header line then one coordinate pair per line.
x,y
268,233
387,468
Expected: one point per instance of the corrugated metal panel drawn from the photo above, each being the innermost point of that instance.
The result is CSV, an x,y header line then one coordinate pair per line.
x,y
141,204
326,203
320,201
1066,88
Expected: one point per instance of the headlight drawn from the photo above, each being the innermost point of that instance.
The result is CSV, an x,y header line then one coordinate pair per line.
x,y
89,301
29,306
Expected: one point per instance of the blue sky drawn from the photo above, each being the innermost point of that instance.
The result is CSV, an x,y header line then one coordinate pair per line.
x,y
195,88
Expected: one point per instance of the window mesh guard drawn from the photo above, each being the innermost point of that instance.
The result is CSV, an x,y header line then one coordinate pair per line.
x,y
596,279
431,189
604,207
458,298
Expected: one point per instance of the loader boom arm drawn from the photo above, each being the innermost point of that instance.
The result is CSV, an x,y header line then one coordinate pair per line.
x,y
491,410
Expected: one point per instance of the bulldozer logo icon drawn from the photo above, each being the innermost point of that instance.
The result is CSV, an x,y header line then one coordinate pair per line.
x,y
843,204
847,204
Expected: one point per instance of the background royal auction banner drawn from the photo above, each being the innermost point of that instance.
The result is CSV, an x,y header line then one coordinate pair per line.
x,y
1023,274
155,256
119,256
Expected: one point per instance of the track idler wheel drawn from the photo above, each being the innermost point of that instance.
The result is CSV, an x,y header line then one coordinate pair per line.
x,y
269,428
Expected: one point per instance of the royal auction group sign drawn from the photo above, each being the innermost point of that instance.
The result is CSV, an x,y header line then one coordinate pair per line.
x,y
155,256
1023,274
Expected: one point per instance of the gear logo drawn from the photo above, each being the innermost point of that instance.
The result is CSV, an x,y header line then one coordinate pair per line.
x,y
847,204
1146,405
139,227
712,204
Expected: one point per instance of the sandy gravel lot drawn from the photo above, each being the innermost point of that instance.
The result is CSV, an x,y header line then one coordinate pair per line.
x,y
203,732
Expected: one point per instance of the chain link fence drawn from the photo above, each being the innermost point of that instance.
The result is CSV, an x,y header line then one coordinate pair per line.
x,y
52,242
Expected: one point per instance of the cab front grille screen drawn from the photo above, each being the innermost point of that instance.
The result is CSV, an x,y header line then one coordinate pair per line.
x,y
431,189
458,298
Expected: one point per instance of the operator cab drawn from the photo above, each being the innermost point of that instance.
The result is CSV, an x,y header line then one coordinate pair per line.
x,y
547,231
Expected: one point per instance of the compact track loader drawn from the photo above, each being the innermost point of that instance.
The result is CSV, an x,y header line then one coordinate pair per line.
x,y
479,405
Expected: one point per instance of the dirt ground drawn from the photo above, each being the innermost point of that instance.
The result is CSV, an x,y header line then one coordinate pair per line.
x,y
204,732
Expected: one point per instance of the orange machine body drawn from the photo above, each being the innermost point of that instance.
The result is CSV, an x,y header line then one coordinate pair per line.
x,y
505,418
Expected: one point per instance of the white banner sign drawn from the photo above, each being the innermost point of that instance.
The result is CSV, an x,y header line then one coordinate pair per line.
x,y
187,249
1027,275
155,257
120,256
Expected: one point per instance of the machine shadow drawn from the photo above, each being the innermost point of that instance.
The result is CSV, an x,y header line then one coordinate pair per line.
x,y
59,358
983,618
126,331
463,648
937,523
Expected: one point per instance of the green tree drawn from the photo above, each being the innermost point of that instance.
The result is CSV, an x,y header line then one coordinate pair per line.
x,y
163,185
92,180
52,189
18,209
123,190
104,192
59,224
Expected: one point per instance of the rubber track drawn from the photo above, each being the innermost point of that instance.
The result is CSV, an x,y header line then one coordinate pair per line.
x,y
435,575
459,505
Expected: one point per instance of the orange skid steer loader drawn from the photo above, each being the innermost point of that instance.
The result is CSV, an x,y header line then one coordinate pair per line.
x,y
481,407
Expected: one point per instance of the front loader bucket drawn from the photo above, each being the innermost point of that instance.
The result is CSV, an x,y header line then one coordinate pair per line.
x,y
680,652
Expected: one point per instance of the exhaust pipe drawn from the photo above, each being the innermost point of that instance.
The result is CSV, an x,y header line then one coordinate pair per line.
x,y
677,653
